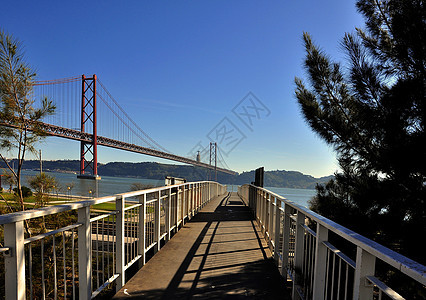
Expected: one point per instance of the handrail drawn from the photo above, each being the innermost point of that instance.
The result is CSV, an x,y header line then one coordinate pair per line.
x,y
404,264
273,210
95,250
44,211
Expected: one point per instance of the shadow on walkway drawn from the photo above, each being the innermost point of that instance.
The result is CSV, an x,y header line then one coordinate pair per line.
x,y
225,257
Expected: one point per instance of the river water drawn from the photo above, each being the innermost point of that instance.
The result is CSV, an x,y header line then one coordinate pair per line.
x,y
114,185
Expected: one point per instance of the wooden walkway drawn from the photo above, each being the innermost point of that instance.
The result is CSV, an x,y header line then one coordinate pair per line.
x,y
219,254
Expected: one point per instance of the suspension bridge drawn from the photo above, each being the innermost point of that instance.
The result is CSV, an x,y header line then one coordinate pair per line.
x,y
87,112
189,240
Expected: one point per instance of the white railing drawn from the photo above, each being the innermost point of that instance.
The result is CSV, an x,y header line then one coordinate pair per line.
x,y
323,259
92,248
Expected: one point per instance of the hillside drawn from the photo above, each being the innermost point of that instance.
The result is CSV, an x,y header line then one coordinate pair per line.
x,y
152,170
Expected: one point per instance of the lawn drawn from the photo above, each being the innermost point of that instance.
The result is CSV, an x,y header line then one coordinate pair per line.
x,y
30,201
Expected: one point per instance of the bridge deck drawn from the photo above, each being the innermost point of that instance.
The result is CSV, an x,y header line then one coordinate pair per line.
x,y
218,254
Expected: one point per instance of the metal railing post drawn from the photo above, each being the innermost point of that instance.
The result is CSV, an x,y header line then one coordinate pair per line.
x,y
84,254
266,212
194,201
286,240
203,200
256,200
250,198
14,261
320,266
263,212
177,209
191,203
365,266
120,228
182,206
200,195
142,231
277,230
298,253
168,213
271,220
157,222
200,203
258,204
185,197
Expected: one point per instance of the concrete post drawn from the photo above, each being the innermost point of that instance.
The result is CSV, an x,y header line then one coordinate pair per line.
x,y
266,200
271,220
120,260
320,266
14,261
286,240
157,222
298,252
84,257
142,231
365,266
168,213
177,208
277,230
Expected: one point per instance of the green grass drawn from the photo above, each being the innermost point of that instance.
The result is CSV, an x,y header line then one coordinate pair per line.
x,y
104,206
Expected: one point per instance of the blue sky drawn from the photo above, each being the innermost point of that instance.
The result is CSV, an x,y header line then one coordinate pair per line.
x,y
179,68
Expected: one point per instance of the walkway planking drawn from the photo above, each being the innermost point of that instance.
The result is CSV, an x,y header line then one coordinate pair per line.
x,y
219,254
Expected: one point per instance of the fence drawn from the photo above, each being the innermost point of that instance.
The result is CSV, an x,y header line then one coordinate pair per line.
x,y
325,260
94,248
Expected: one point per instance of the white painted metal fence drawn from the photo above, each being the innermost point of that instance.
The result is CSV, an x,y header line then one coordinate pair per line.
x,y
301,241
80,259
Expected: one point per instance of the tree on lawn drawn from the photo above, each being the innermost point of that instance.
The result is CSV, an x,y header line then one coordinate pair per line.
x,y
372,111
43,184
20,121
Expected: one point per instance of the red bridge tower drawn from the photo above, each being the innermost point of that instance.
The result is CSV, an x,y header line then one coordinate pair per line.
x,y
88,150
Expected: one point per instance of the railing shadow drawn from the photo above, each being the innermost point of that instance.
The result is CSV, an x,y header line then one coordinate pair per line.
x,y
256,279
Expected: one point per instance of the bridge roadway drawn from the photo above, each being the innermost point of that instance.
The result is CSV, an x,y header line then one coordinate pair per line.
x,y
219,254
77,135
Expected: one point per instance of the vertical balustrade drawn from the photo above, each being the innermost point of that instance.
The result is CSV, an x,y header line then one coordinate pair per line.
x,y
84,254
266,201
365,266
168,213
271,221
286,239
320,266
317,268
277,230
120,233
182,209
142,230
299,248
130,232
157,221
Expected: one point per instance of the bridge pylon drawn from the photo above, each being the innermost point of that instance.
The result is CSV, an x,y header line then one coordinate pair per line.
x,y
213,160
89,150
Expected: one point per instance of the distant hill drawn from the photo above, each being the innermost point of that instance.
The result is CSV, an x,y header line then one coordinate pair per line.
x,y
152,170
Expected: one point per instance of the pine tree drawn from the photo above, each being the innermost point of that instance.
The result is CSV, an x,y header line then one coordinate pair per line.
x,y
20,121
372,111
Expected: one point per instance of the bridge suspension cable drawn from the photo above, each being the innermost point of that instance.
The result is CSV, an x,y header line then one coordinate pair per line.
x,y
126,119
221,161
